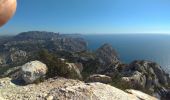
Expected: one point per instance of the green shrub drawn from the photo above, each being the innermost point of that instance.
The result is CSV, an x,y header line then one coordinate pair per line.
x,y
90,67
56,67
118,83
39,80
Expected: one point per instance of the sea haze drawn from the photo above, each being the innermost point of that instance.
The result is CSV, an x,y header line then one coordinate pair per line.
x,y
136,47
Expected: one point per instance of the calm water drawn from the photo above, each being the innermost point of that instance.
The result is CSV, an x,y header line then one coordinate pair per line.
x,y
136,47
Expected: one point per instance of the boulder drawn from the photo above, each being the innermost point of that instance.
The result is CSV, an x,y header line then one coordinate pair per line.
x,y
99,78
32,71
75,67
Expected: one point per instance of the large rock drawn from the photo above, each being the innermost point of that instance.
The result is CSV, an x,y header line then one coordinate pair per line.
x,y
99,78
107,56
137,80
32,71
147,74
77,67
96,91
66,89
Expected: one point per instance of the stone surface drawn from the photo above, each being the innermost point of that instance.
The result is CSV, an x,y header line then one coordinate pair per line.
x,y
135,80
32,71
140,95
147,74
99,78
66,89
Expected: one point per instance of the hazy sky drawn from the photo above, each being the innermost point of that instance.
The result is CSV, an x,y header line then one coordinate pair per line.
x,y
91,16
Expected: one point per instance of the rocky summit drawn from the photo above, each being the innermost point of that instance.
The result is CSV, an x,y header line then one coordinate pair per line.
x,y
66,89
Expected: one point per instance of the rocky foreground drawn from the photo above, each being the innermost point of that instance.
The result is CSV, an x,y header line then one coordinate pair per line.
x,y
66,89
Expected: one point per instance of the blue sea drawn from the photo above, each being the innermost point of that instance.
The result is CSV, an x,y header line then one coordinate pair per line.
x,y
136,47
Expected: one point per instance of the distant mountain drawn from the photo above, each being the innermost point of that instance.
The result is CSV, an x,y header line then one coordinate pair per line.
x,y
36,35
14,49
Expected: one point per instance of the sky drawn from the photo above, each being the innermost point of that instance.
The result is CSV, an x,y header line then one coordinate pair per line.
x,y
90,16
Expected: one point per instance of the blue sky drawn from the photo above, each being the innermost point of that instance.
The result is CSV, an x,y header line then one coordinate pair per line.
x,y
91,16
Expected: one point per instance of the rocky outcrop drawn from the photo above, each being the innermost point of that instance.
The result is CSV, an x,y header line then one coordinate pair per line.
x,y
76,67
107,56
112,70
66,89
13,57
99,78
96,91
32,71
136,80
147,75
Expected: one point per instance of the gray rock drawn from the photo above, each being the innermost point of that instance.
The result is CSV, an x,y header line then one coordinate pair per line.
x,y
76,67
161,75
79,66
32,71
99,78
111,71
152,75
107,56
136,80
96,91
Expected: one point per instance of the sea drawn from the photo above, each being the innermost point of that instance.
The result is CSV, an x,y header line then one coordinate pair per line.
x,y
130,47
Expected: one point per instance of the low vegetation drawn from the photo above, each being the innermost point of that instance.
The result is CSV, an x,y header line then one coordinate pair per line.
x,y
56,67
